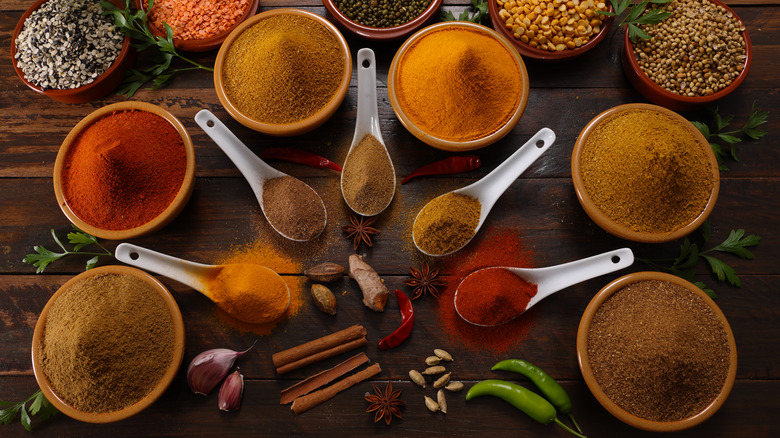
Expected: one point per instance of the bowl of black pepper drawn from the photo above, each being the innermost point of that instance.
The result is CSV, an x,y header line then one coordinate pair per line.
x,y
698,55
382,19
67,50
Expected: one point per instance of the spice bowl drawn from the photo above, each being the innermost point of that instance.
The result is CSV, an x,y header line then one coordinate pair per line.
x,y
674,101
167,371
179,193
681,292
101,86
382,33
660,190
451,118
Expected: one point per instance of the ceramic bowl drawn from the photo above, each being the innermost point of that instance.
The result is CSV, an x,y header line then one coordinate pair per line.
x,y
162,385
158,222
204,44
440,143
595,388
383,33
301,126
661,96
546,55
621,230
100,87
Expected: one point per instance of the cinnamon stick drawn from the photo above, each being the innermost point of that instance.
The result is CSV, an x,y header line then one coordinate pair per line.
x,y
306,402
322,355
323,378
324,343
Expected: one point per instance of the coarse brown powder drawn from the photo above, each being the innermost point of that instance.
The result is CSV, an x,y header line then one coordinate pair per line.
x,y
293,208
658,351
446,223
367,180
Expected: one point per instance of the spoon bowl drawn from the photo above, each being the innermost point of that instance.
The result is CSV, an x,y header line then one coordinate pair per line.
x,y
488,189
198,276
253,168
555,278
367,121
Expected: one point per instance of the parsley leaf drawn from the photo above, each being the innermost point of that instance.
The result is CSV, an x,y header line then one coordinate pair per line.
x,y
637,14
40,406
44,257
731,138
480,15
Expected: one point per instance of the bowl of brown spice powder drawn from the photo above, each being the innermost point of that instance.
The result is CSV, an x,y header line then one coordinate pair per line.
x,y
656,352
107,344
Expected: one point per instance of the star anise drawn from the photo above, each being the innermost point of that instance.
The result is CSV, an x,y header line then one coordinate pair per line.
x,y
386,404
360,230
425,281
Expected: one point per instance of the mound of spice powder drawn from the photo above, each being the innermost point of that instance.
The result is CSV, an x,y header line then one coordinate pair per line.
x,y
493,296
293,208
196,20
446,223
368,181
658,351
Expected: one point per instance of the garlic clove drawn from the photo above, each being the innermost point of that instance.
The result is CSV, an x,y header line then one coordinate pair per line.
x,y
209,368
231,391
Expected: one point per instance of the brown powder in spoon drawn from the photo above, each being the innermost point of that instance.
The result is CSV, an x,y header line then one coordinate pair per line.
x,y
293,208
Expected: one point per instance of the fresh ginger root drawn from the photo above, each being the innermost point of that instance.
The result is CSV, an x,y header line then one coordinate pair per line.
x,y
374,291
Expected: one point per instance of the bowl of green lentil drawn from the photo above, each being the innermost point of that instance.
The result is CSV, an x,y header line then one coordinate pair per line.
x,y
698,55
656,352
644,173
382,19
70,73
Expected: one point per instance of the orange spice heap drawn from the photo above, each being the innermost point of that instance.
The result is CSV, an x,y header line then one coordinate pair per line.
x,y
196,20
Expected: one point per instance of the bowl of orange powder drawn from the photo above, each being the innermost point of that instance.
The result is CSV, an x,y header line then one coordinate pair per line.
x,y
125,170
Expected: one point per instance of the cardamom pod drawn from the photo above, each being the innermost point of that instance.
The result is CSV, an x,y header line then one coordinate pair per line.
x,y
417,378
432,360
454,386
442,401
323,298
443,355
325,272
442,381
434,370
431,405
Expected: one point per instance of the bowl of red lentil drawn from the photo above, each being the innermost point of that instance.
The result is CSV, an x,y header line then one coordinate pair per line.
x,y
198,26
367,18
71,74
121,318
125,170
644,173
551,30
699,55
656,352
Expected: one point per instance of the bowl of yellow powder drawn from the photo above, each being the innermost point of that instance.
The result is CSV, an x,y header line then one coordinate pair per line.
x,y
458,86
107,344
283,72
644,173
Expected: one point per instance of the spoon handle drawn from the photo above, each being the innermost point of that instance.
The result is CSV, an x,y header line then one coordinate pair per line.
x,y
367,113
183,271
569,274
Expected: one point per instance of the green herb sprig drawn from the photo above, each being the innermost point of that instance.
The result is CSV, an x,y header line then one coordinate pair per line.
x,y
43,257
685,264
480,14
749,129
38,406
637,16
133,24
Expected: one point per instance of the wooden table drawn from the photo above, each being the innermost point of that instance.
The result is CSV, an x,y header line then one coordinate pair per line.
x,y
541,206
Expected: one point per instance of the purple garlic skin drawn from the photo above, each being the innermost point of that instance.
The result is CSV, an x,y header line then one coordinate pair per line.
x,y
231,391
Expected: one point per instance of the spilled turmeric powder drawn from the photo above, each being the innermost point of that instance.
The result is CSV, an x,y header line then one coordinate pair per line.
x,y
249,292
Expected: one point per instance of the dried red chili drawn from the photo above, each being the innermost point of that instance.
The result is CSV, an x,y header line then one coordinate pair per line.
x,y
407,322
299,156
446,166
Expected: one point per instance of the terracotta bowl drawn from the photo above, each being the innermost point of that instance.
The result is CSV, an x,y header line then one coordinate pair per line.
x,y
162,385
595,388
545,55
660,96
204,44
621,230
100,87
448,145
383,33
158,222
301,126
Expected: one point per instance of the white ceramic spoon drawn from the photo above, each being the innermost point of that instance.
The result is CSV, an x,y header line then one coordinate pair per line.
x,y
192,274
555,278
367,121
255,170
488,189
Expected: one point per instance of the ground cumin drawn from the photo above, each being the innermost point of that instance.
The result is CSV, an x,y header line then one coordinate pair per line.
x,y
293,208
658,351
446,223
646,171
107,342
368,181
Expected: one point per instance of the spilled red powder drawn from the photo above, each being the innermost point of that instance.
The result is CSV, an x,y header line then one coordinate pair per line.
x,y
493,296
492,247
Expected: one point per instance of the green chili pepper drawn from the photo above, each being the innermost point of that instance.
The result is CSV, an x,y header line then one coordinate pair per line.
x,y
551,389
531,403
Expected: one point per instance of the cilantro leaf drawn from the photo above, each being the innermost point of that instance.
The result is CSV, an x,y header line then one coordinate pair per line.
x,y
737,245
750,129
43,257
39,406
723,271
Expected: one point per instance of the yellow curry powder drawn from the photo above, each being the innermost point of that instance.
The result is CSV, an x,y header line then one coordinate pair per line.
x,y
646,171
446,223
248,291
458,84
283,69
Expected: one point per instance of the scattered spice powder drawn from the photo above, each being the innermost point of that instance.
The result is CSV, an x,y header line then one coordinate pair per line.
x,y
293,208
367,180
446,223
658,351
196,20
493,296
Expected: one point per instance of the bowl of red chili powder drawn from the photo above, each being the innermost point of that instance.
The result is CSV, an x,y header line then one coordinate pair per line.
x,y
125,170
656,352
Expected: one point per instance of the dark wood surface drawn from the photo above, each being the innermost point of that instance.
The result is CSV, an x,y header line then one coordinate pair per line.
x,y
541,206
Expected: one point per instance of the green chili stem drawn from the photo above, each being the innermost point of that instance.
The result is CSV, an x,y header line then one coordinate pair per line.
x,y
571,417
557,421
